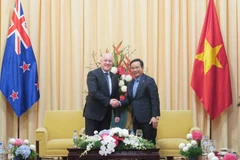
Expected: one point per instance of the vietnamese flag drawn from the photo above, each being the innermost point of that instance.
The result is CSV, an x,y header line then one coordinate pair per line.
x,y
210,76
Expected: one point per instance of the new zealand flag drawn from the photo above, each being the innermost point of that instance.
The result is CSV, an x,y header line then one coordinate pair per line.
x,y
19,76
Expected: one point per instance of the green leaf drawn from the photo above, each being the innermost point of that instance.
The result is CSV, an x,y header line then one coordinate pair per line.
x,y
192,152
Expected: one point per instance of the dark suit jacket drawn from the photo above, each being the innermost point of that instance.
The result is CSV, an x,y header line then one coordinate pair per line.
x,y
98,98
146,103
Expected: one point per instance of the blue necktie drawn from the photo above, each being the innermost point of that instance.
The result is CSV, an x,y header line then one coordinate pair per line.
x,y
109,85
135,85
106,74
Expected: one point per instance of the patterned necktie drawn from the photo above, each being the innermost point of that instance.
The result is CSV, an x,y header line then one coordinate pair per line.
x,y
135,85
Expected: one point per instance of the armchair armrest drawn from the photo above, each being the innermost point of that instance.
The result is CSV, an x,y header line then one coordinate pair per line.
x,y
194,129
41,140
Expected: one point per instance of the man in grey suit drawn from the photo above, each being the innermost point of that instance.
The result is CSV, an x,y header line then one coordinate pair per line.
x,y
102,89
142,95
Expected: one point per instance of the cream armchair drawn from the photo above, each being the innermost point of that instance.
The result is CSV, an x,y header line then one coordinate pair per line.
x,y
173,126
55,136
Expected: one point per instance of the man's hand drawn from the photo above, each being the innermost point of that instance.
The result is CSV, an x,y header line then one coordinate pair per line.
x,y
154,122
117,119
114,103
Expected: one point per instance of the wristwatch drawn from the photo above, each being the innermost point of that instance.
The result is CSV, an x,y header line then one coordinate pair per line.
x,y
157,117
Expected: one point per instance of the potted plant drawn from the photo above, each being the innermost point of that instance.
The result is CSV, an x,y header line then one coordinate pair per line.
x,y
192,150
22,149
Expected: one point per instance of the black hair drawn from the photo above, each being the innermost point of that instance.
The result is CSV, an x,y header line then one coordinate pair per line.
x,y
137,60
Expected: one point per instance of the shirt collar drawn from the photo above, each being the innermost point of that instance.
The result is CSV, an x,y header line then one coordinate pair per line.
x,y
138,79
105,71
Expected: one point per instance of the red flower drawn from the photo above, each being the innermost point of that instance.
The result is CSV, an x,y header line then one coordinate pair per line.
x,y
117,48
122,97
196,135
230,156
117,139
127,64
18,142
121,70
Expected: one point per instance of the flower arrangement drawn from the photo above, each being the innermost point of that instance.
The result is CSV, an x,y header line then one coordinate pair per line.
x,y
121,67
107,141
22,149
191,149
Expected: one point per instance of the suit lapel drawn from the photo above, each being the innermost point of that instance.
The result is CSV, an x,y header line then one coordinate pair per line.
x,y
104,80
130,90
112,80
142,80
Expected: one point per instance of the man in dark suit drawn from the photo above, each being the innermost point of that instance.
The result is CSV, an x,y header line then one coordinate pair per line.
x,y
142,95
102,89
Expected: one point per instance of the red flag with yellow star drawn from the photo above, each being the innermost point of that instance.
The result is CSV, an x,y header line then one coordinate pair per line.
x,y
210,76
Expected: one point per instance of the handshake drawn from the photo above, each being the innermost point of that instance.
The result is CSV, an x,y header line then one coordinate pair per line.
x,y
114,103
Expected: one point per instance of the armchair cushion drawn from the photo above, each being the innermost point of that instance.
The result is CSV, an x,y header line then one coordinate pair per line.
x,y
56,135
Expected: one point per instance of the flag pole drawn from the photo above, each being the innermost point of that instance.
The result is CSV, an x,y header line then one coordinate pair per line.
x,y
18,131
210,129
